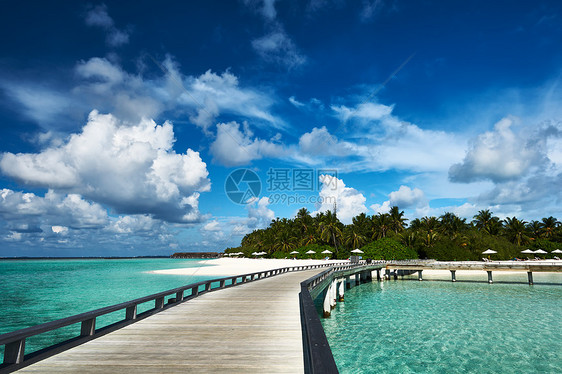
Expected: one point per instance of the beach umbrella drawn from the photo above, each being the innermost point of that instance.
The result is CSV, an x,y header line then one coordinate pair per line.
x,y
489,252
357,250
556,251
294,253
326,252
540,251
311,252
528,251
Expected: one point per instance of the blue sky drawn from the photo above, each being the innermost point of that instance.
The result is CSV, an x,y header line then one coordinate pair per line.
x,y
121,121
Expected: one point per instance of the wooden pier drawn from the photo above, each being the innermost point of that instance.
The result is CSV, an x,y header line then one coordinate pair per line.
x,y
489,267
252,328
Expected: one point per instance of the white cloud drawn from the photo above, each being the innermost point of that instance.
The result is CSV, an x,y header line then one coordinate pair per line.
x,y
234,147
98,17
59,229
132,169
136,224
211,226
211,94
277,47
104,85
385,142
407,197
53,210
366,111
295,102
499,155
319,142
404,198
259,216
349,202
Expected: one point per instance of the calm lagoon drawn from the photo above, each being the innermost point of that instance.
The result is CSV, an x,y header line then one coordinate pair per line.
x,y
406,326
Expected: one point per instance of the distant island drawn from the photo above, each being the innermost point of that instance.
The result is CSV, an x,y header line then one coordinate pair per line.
x,y
196,255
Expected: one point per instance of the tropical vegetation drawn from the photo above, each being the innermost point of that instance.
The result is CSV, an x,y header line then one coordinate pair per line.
x,y
389,236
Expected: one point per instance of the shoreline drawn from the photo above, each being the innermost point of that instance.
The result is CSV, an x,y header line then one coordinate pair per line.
x,y
225,266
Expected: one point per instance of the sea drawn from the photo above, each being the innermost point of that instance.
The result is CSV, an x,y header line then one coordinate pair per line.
x,y
38,291
396,326
437,326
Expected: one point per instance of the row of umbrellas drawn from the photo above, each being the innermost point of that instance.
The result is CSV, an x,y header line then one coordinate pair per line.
x,y
311,252
538,251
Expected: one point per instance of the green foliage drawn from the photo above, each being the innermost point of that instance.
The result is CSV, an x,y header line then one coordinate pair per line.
x,y
545,245
388,249
387,235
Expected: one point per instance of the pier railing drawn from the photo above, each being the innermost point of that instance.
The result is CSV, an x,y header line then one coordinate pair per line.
x,y
318,357
14,342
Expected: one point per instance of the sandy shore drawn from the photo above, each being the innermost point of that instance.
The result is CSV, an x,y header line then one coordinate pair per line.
x,y
234,266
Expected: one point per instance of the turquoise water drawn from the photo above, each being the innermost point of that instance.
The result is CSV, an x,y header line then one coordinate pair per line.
x,y
408,326
38,291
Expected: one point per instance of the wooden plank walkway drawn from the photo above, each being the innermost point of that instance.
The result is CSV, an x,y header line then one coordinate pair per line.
x,y
251,328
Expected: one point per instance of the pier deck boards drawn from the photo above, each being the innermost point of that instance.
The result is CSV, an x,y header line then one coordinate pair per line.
x,y
252,328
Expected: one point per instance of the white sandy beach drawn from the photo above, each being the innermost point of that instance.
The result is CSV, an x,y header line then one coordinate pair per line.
x,y
222,267
233,266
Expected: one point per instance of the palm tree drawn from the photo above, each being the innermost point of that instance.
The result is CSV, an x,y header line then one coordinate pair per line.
x,y
515,230
397,220
534,228
486,222
548,227
362,224
451,225
381,225
429,225
330,230
353,239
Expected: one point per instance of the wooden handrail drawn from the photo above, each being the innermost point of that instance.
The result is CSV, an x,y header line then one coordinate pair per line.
x,y
318,357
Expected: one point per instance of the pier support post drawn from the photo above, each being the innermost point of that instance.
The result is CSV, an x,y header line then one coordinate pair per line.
x,y
395,274
357,279
348,282
530,277
378,275
420,275
341,291
387,275
453,276
490,276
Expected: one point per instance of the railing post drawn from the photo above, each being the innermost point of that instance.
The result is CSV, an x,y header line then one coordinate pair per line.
x,y
88,327
131,313
208,286
222,282
179,296
14,352
159,303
